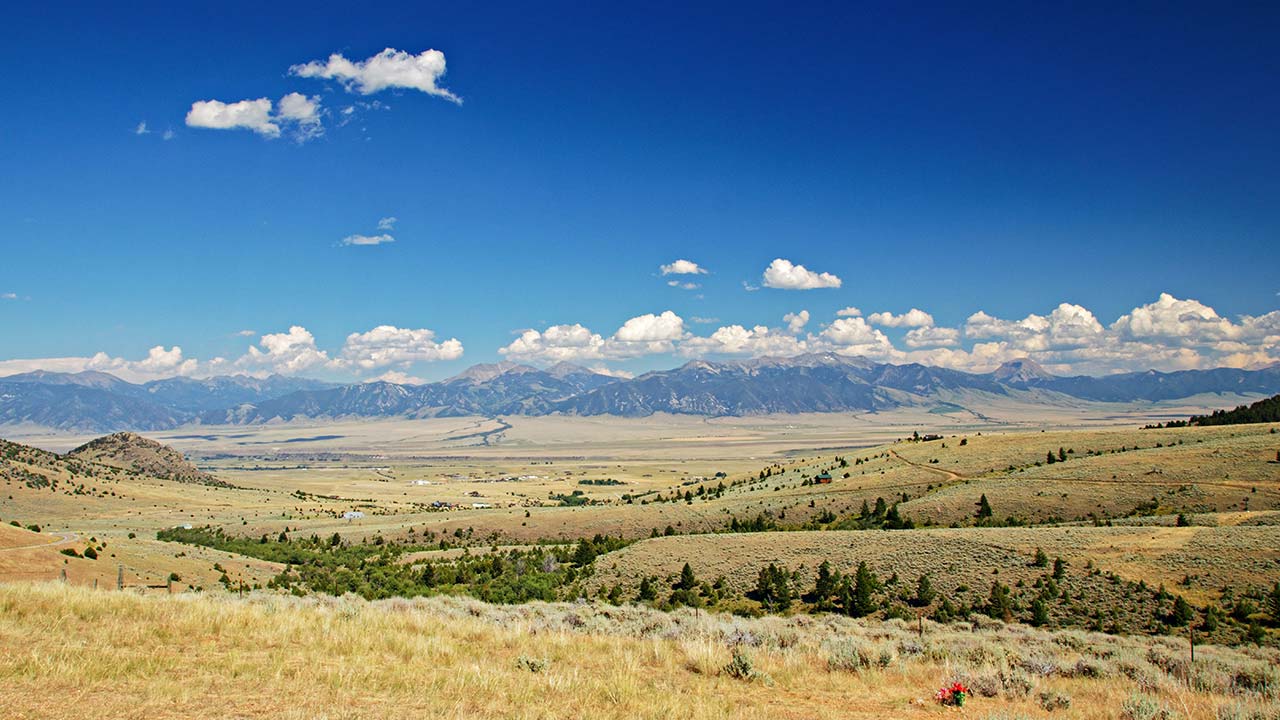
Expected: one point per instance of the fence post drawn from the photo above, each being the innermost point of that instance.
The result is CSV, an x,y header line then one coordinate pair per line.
x,y
64,576
168,585
119,577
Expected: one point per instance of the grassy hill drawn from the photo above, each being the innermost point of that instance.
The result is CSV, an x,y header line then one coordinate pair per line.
x,y
126,655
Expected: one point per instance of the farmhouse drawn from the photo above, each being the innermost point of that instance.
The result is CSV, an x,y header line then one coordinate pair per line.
x,y
352,515
823,478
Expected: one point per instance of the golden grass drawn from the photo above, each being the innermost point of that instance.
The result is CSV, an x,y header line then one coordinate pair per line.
x,y
70,651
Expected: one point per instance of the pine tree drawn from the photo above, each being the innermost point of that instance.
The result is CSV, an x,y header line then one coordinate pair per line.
x,y
687,580
924,592
1182,613
1062,455
1273,604
999,603
824,587
646,592
1039,613
1059,568
864,588
984,508
1050,458
1042,560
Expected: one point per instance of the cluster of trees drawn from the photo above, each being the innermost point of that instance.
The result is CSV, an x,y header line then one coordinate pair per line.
x,y
376,569
1263,411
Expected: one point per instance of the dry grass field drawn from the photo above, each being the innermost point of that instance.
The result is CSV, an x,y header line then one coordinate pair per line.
x,y
194,655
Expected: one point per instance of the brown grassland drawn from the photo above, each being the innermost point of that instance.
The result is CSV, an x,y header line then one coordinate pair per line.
x,y
1108,510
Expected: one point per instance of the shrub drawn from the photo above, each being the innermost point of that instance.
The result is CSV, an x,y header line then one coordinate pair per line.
x,y
1143,707
1052,700
741,667
532,664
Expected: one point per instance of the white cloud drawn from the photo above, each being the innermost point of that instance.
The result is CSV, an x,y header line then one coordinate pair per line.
x,y
390,68
387,223
141,129
358,239
932,337
850,311
651,328
759,341
783,275
914,318
168,135
683,285
296,111
389,345
398,377
246,333
682,267
796,321
253,115
9,296
556,343
1171,318
303,113
704,320
286,353
854,336
159,363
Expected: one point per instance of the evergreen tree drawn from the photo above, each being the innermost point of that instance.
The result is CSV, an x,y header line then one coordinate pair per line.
x,y
1182,613
1273,604
984,508
1042,560
687,580
824,587
1062,455
924,592
865,585
646,592
1039,613
1050,458
999,603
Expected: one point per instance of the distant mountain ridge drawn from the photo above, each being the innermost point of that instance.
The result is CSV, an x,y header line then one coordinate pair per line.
x,y
815,382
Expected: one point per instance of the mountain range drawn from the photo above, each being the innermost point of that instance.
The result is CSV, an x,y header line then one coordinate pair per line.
x,y
819,382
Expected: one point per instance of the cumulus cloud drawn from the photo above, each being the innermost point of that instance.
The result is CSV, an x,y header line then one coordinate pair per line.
x,y
682,267
855,336
850,311
287,353
252,115
304,113
398,377
388,223
299,113
758,341
159,363
913,318
358,239
1171,318
783,275
390,68
556,343
932,337
796,321
388,345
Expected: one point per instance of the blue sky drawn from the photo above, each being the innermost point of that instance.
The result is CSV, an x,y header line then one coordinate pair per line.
x,y
1031,180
